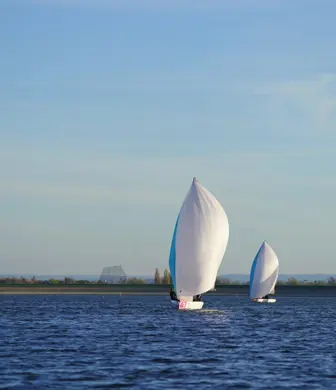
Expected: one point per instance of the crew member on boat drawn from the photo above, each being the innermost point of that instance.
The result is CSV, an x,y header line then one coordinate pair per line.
x,y
197,298
173,295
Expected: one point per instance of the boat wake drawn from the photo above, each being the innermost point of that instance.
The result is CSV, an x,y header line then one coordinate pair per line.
x,y
212,311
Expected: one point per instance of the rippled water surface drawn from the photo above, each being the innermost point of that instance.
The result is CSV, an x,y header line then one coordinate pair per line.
x,y
139,342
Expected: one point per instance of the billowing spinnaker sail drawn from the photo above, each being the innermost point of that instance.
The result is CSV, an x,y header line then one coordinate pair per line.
x,y
199,242
264,272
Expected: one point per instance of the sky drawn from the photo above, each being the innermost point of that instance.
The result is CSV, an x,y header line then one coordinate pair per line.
x,y
109,108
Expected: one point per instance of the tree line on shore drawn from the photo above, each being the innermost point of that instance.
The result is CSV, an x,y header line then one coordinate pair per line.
x,y
158,279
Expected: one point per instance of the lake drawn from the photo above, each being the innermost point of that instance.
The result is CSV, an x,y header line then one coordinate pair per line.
x,y
139,342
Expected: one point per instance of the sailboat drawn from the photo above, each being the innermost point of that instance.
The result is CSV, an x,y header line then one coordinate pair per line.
x,y
199,242
264,274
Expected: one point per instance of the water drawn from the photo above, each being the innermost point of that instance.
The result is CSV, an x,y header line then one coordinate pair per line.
x,y
139,342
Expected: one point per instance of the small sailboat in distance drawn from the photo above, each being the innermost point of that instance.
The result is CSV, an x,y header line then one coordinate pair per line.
x,y
264,274
199,242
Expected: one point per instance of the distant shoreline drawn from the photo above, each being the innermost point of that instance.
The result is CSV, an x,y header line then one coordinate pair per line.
x,y
152,289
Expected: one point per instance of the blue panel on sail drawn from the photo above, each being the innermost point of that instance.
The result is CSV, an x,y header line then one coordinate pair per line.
x,y
254,264
172,255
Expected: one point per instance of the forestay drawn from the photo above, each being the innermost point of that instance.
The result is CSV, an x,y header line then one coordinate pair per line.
x,y
199,242
264,272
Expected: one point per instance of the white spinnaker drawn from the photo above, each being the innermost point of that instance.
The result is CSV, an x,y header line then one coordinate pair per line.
x,y
201,239
264,272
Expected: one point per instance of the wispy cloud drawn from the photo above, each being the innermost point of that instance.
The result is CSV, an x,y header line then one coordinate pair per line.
x,y
310,103
147,180
317,84
85,193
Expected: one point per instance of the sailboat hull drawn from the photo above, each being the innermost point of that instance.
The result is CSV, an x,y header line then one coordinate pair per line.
x,y
188,305
263,300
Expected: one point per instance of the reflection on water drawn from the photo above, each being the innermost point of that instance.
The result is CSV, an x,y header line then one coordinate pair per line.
x,y
140,342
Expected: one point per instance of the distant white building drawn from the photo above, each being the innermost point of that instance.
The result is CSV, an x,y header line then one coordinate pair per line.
x,y
113,275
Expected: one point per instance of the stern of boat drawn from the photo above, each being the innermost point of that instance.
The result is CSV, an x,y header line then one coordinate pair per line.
x,y
183,305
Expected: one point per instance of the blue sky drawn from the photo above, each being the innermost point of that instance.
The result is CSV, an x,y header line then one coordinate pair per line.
x,y
109,108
